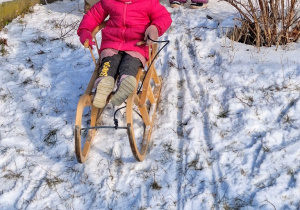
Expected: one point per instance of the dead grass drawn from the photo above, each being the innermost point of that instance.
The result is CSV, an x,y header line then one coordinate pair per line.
x,y
195,164
51,137
223,114
39,40
155,186
13,175
3,45
119,162
5,97
266,22
53,182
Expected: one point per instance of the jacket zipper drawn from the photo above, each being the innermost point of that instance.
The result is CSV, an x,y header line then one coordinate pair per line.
x,y
124,13
124,22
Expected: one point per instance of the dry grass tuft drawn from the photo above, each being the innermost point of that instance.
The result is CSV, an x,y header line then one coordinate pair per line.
x,y
52,182
51,137
3,45
155,186
266,22
13,175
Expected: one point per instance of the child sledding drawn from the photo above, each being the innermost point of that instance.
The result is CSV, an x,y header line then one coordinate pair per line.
x,y
120,63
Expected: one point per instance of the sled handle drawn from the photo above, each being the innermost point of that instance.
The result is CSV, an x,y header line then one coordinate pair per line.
x,y
140,43
94,32
86,45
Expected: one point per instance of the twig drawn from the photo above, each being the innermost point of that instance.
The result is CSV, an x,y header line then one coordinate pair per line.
x,y
270,203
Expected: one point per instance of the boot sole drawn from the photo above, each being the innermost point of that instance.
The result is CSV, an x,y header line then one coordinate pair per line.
x,y
104,88
176,5
127,86
198,7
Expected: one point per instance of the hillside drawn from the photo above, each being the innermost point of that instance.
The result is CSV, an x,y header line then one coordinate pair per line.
x,y
226,135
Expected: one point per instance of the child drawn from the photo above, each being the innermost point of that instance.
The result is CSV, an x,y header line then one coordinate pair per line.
x,y
196,4
130,21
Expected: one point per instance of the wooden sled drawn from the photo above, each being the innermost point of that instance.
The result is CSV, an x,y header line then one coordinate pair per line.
x,y
145,103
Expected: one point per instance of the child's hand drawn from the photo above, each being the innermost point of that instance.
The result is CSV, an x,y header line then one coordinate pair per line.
x,y
86,39
152,32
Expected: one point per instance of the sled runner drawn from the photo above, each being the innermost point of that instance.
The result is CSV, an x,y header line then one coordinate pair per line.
x,y
142,101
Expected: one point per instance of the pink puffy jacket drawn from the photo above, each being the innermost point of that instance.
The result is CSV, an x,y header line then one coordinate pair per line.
x,y
128,21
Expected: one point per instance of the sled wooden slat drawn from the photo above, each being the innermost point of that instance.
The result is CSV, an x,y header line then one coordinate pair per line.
x,y
144,112
155,77
136,101
150,95
140,154
146,86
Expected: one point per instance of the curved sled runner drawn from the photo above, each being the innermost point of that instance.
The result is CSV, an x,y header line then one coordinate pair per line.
x,y
143,102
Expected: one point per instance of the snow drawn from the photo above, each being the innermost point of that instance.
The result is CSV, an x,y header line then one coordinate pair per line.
x,y
2,1
226,134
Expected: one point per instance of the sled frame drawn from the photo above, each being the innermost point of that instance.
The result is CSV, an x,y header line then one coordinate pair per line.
x,y
149,95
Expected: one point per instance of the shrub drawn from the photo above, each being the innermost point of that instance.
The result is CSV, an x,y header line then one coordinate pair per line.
x,y
266,22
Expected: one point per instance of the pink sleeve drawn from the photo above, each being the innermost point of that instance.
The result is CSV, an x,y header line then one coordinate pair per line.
x,y
94,17
160,17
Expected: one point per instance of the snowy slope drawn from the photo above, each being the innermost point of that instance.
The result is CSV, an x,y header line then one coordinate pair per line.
x,y
227,130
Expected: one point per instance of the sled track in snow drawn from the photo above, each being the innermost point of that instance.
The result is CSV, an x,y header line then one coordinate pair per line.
x,y
198,173
192,116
